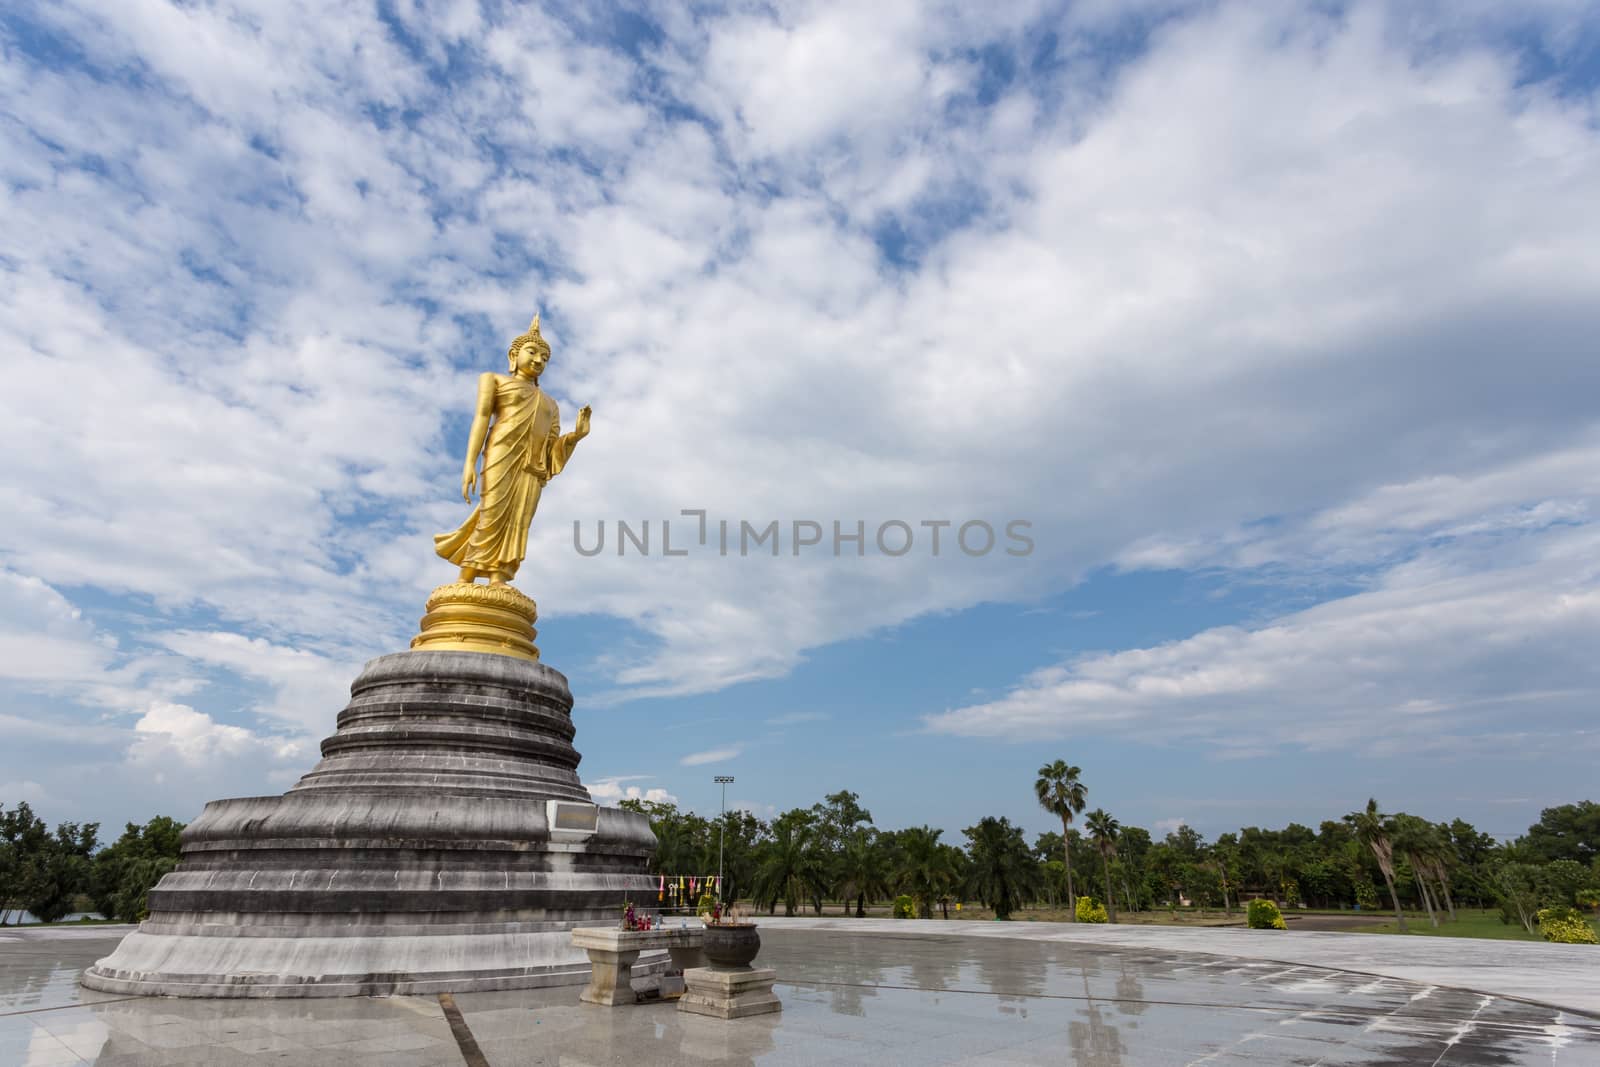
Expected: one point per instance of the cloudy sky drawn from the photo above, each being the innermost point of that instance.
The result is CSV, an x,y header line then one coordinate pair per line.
x,y
1278,326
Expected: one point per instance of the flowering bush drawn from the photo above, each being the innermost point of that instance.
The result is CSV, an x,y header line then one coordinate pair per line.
x,y
1090,912
904,907
1566,926
1588,898
1264,915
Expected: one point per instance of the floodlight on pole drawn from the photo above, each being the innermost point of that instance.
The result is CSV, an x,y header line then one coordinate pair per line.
x,y
722,827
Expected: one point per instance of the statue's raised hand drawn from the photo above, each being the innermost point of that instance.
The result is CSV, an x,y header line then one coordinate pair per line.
x,y
582,429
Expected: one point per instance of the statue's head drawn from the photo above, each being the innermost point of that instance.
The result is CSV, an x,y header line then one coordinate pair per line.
x,y
529,353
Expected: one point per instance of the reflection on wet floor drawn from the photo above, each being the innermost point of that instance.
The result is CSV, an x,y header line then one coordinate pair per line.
x,y
848,998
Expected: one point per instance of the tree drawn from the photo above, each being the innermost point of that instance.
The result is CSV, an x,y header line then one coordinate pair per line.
x,y
683,839
1225,859
838,816
741,835
1414,839
923,867
1372,829
1516,887
863,869
1566,832
788,868
1440,861
125,873
835,820
1474,853
1103,832
1133,851
1002,872
24,835
1062,794
957,870
58,870
1187,843
9,869
1560,881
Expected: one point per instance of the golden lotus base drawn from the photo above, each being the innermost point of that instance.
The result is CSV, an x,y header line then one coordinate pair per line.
x,y
468,617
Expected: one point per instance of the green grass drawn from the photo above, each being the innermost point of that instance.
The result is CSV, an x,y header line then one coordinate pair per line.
x,y
1470,922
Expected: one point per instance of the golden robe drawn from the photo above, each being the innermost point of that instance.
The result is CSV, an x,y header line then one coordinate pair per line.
x,y
524,449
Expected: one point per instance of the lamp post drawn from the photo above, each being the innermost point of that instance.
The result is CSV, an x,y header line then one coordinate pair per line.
x,y
722,827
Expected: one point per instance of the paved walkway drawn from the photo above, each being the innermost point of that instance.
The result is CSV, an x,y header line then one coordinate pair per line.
x,y
1565,976
854,993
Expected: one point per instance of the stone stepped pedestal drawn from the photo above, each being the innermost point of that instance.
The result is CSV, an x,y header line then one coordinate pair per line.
x,y
443,843
729,993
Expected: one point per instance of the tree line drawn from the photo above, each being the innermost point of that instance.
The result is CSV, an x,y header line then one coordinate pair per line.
x,y
833,851
48,873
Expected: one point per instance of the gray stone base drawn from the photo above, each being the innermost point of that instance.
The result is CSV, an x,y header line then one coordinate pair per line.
x,y
351,966
443,844
729,994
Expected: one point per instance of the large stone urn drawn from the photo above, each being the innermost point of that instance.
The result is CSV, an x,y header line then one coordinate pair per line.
x,y
730,988
731,946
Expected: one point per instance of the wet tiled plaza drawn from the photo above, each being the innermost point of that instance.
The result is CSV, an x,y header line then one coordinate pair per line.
x,y
883,996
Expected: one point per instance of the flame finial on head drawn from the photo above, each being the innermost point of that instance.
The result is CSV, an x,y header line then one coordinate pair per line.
x,y
530,337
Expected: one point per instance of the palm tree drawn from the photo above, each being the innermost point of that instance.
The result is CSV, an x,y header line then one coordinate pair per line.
x,y
789,868
1372,828
956,870
1440,862
1063,795
1103,830
1003,874
922,868
1418,841
675,848
863,869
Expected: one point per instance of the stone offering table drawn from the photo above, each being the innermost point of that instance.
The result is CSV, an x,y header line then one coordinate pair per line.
x,y
612,953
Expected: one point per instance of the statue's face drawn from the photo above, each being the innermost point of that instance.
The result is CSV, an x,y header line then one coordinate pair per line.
x,y
531,360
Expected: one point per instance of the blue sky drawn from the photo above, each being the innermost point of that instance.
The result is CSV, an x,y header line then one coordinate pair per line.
x,y
1276,323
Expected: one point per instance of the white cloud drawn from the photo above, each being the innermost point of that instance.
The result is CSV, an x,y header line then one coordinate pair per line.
x,y
1163,827
609,791
169,734
32,792
44,640
308,689
835,71
713,755
1278,261
1447,652
797,718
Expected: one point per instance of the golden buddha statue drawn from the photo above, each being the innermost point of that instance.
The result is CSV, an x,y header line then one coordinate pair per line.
x,y
516,432
516,429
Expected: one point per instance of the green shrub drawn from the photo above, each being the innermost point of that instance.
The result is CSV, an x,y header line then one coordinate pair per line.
x,y
1090,912
1367,895
1588,898
1264,915
1566,926
904,907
